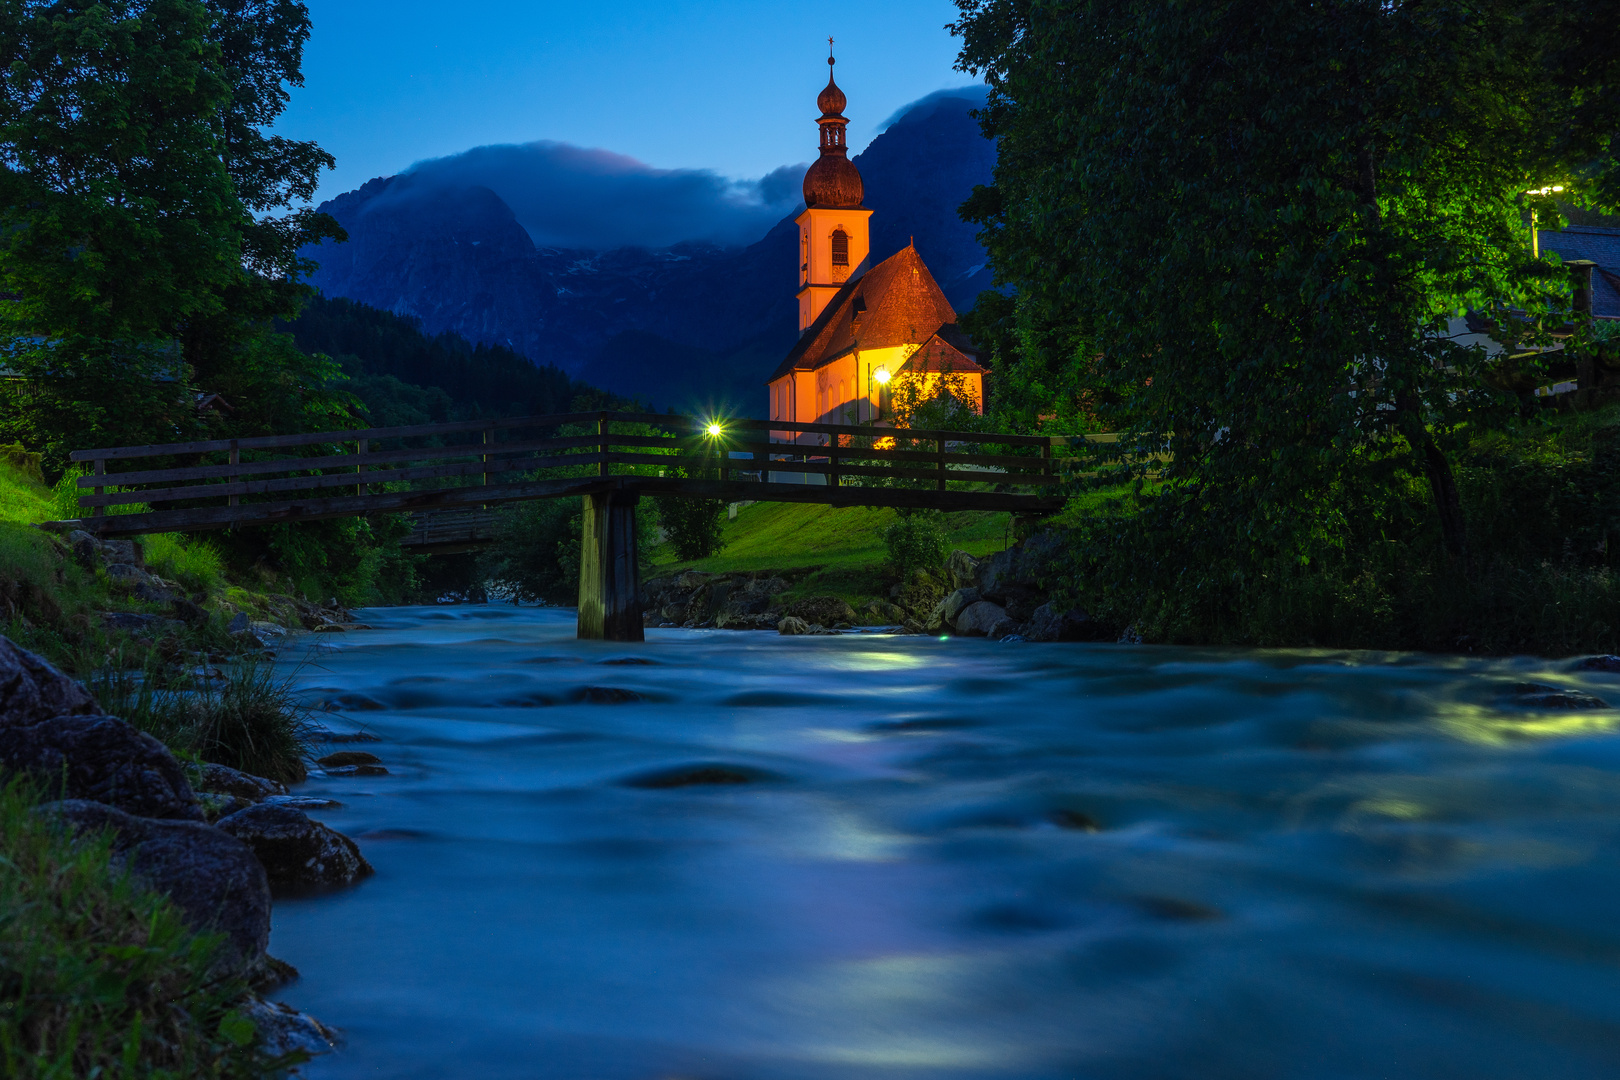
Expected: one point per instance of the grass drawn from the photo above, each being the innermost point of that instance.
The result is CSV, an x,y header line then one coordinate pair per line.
x,y
101,978
195,564
845,544
251,721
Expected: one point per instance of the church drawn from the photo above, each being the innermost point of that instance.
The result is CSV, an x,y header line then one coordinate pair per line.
x,y
870,337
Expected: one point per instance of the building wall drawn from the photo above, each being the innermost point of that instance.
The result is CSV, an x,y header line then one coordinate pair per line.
x,y
819,279
845,392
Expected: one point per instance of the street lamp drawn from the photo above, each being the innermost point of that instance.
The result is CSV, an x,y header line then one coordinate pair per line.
x,y
714,429
1535,237
881,377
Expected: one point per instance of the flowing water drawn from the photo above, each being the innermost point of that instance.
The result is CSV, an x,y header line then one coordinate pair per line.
x,y
956,859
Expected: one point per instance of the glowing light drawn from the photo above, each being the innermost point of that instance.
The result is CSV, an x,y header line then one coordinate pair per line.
x,y
714,429
881,375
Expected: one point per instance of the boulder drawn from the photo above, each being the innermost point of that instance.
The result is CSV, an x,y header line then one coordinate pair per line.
x,y
103,759
953,605
282,1029
296,850
32,690
963,569
212,877
351,757
1599,663
792,624
826,610
1004,627
227,781
1049,624
215,805
1019,567
978,619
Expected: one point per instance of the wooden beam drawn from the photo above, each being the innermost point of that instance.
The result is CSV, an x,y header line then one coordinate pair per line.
x,y
609,577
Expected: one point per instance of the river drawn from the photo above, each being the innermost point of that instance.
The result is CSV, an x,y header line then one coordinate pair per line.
x,y
955,859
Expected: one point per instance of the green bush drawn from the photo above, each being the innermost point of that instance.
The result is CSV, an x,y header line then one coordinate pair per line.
x,y
100,978
694,526
535,556
916,541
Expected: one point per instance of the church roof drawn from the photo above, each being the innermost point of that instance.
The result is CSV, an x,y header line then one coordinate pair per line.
x,y
896,302
1602,246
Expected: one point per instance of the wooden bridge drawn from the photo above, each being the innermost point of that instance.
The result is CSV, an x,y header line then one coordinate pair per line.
x,y
469,466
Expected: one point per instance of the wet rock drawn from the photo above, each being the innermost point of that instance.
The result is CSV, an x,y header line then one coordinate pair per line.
x,y
826,610
884,612
963,569
212,877
706,775
1003,628
1073,819
302,802
331,628
978,619
791,625
1538,696
239,624
267,631
31,689
356,770
1019,567
271,973
348,757
295,849
281,1029
351,703
953,605
604,695
103,759
346,736
1174,908
227,781
1049,624
1600,663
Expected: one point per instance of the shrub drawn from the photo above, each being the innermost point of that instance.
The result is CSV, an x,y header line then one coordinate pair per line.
x,y
195,564
99,977
251,721
916,541
694,526
535,556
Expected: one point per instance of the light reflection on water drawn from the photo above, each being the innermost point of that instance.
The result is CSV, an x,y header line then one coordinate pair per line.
x,y
1308,864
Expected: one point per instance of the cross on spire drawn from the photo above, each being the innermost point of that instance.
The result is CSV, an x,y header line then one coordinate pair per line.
x,y
830,59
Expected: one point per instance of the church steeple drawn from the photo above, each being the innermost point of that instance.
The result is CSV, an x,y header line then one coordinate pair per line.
x,y
833,232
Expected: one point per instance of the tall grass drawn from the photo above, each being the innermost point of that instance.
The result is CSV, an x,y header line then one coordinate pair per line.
x,y
249,721
195,564
101,978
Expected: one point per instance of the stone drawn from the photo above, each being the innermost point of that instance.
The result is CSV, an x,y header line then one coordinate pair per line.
x,y
215,805
1538,696
282,1029
239,624
187,611
953,605
1048,624
227,781
31,689
1004,627
347,757
154,591
86,548
826,610
963,568
133,622
302,802
792,625
265,630
211,876
296,850
691,580
104,759
979,618
128,574
357,770
1600,663
1020,566
697,776
122,552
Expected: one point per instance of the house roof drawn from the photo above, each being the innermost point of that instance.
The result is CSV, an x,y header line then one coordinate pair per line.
x,y
1602,246
948,350
896,302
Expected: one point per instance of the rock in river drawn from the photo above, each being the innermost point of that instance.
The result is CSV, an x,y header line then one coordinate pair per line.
x,y
295,849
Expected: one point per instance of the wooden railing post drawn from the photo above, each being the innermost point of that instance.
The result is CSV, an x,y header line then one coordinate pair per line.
x,y
941,442
489,433
602,431
1047,461
100,470
230,478
361,447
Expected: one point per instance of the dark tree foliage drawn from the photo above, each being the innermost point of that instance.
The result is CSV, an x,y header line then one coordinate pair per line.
x,y
139,200
448,377
1240,232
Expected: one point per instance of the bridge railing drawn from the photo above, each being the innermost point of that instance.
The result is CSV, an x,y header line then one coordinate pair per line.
x,y
226,482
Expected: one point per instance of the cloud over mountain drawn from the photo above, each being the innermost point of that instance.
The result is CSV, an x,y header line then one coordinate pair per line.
x,y
573,197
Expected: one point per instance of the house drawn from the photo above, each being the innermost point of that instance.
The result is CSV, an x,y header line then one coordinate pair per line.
x,y
871,338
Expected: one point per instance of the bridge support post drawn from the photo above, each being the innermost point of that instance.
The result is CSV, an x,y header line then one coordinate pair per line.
x,y
609,579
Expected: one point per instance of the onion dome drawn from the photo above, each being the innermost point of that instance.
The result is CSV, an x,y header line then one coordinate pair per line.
x,y
833,181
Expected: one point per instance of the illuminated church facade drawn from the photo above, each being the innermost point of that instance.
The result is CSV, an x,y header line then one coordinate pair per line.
x,y
866,333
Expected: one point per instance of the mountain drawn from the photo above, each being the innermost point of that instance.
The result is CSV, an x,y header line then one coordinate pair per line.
x,y
693,326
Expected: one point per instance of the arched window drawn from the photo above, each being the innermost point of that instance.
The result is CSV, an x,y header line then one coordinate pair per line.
x,y
840,248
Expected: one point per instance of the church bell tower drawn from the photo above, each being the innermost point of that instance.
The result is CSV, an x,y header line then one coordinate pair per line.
x,y
834,237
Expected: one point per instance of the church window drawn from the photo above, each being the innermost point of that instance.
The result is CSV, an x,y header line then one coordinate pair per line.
x,y
840,248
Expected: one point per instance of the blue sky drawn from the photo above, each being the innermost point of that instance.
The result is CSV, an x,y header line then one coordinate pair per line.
x,y
722,84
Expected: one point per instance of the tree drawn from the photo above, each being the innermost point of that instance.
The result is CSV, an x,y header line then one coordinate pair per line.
x,y
1245,228
138,199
